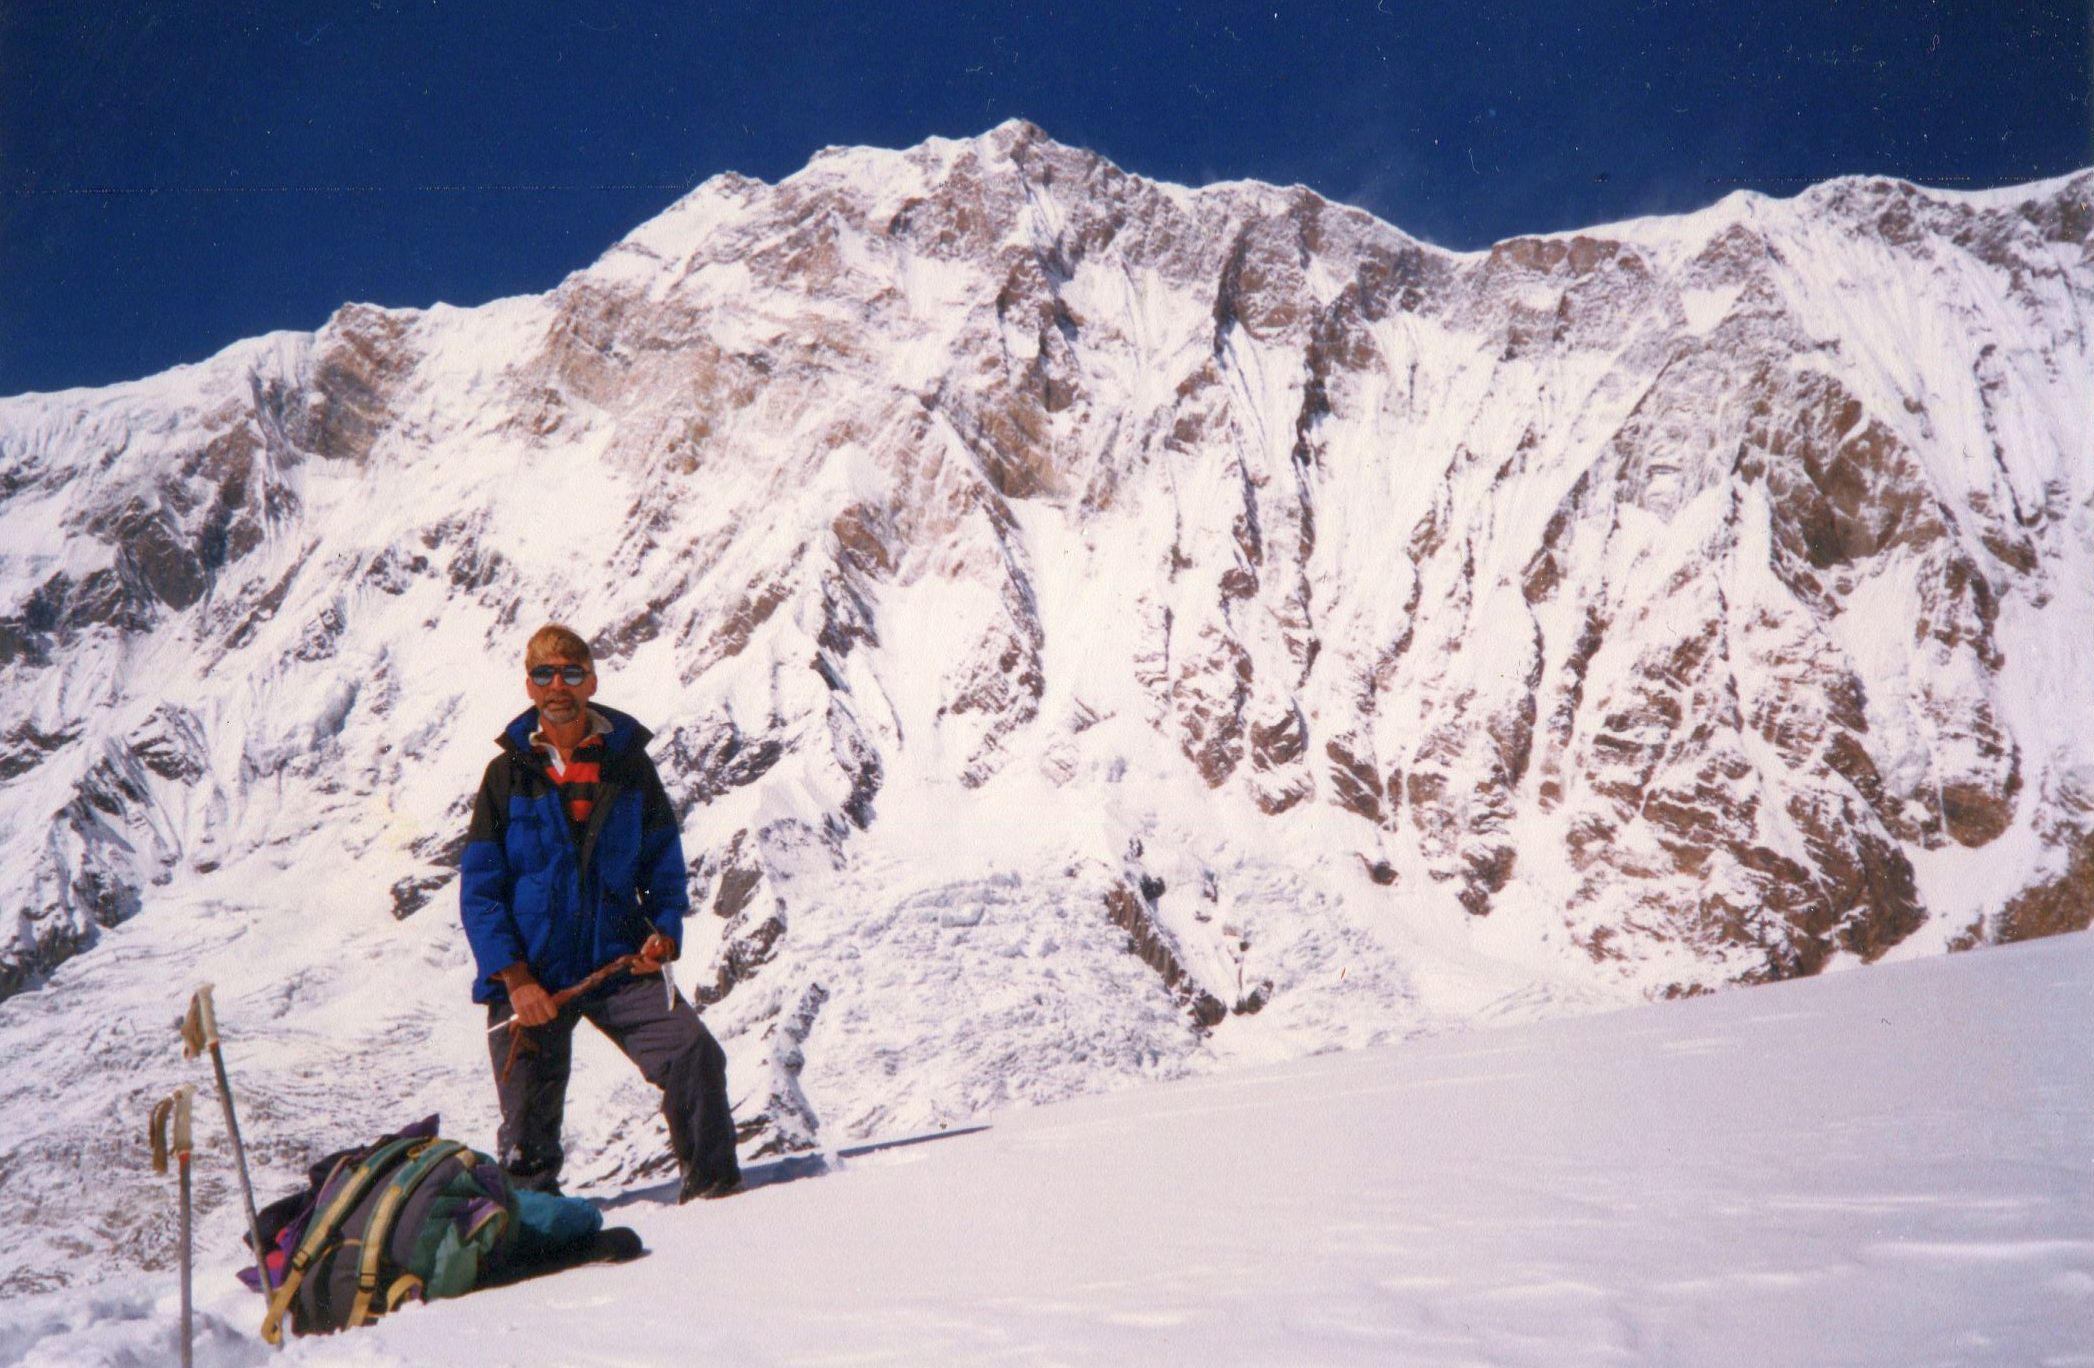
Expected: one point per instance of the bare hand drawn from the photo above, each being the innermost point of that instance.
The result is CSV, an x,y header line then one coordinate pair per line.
x,y
533,1005
658,951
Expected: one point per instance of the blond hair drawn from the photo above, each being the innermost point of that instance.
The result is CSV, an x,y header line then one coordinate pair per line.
x,y
554,639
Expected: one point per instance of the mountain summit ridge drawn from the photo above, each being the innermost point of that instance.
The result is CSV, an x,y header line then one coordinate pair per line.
x,y
1096,629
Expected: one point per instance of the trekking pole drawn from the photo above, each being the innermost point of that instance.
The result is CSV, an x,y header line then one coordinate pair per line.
x,y
175,1106
200,1033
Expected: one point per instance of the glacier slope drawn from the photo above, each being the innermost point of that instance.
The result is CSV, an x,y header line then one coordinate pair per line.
x,y
1877,1168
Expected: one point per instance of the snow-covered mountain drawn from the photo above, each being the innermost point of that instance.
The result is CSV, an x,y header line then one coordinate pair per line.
x,y
1097,630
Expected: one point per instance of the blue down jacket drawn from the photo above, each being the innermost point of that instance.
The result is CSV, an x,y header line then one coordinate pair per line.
x,y
528,890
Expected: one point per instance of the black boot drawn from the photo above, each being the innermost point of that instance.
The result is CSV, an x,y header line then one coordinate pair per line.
x,y
699,1188
616,1244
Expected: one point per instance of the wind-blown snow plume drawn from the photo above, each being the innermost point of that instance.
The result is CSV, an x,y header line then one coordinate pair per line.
x,y
1094,629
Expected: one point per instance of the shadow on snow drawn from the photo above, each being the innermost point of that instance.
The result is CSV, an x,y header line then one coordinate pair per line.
x,y
789,1168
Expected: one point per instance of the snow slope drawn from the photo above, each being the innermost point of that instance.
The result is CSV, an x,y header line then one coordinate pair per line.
x,y
1893,1167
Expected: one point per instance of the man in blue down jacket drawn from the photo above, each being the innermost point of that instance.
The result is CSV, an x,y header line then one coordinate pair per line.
x,y
573,861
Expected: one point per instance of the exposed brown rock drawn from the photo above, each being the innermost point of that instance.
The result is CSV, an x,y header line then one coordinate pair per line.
x,y
751,942
1279,742
1130,912
1844,487
26,746
358,368
1488,869
1975,814
731,635
1209,695
412,894
865,539
170,744
1239,582
1261,287
1354,784
2055,906
1381,871
739,876
1273,799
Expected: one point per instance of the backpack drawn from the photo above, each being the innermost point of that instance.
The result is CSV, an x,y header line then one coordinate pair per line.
x,y
411,1216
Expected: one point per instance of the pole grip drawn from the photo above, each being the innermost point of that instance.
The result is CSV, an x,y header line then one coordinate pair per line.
x,y
199,1026
156,1132
180,1141
209,1011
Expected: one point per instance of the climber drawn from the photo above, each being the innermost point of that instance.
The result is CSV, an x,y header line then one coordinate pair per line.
x,y
572,862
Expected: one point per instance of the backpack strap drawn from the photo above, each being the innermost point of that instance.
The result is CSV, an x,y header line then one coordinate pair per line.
x,y
324,1226
379,1232
405,1286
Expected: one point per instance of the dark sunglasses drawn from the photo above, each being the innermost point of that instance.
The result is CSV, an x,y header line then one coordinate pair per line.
x,y
570,675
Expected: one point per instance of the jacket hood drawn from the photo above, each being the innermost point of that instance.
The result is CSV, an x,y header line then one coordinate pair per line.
x,y
626,731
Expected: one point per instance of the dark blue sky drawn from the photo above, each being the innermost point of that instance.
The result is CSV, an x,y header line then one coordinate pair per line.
x,y
175,176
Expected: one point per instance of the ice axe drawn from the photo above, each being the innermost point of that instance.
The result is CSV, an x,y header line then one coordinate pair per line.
x,y
200,1033
519,1038
175,1108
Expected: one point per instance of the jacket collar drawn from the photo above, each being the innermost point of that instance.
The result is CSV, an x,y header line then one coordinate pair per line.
x,y
599,725
624,732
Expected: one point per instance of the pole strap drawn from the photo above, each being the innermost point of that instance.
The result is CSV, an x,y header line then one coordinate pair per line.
x,y
170,1112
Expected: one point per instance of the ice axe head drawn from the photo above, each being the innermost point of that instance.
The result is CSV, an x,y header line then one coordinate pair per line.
x,y
200,1024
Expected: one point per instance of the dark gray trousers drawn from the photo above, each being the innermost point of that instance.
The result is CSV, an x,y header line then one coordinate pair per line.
x,y
674,1051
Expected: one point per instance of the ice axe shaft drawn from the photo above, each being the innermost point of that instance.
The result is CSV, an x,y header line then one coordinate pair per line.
x,y
199,1033
518,1032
